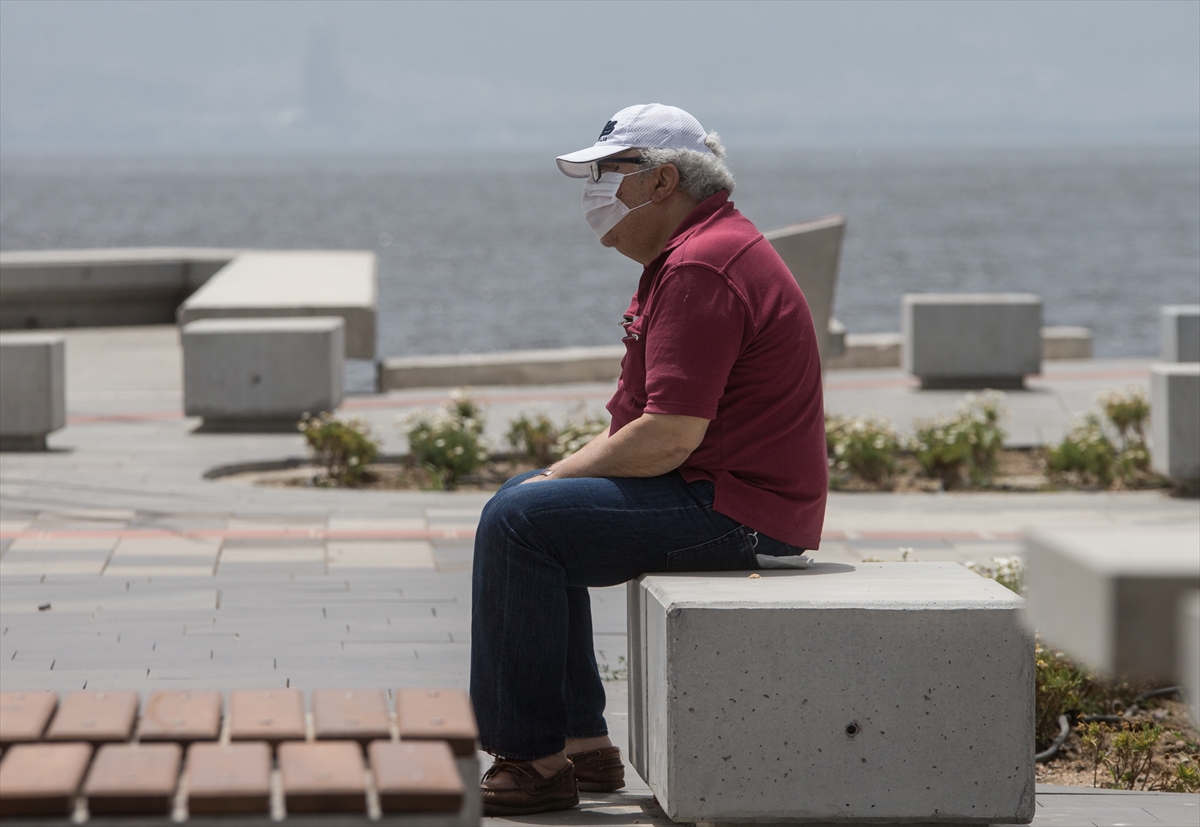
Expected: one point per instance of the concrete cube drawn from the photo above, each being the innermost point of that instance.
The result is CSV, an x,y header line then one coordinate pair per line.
x,y
33,389
1107,596
1066,343
1180,333
1175,421
812,250
265,284
261,374
851,694
972,340
1189,651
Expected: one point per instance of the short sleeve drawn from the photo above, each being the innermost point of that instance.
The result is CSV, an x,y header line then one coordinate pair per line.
x,y
693,336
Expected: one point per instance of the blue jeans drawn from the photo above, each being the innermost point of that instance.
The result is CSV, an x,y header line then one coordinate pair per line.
x,y
538,548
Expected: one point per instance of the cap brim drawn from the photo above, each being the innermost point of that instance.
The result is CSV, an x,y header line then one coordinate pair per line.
x,y
576,164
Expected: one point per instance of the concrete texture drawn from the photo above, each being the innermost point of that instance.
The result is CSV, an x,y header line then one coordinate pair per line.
x,y
32,389
849,693
516,367
1066,343
1180,336
295,283
1175,421
1189,650
868,350
1109,596
812,250
243,373
972,340
103,287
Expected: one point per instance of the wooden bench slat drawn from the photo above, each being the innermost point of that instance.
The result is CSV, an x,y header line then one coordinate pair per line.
x,y
323,777
437,715
24,715
271,715
356,714
129,779
41,779
416,776
181,715
96,717
233,778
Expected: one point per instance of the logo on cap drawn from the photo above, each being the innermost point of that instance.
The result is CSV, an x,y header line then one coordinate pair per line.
x,y
607,130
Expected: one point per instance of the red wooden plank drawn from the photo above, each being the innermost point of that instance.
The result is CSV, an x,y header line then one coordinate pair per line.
x,y
351,714
323,777
271,715
95,717
181,715
437,715
416,776
133,779
23,715
233,778
42,779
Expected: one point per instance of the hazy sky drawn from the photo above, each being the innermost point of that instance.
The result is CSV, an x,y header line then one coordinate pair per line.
x,y
251,77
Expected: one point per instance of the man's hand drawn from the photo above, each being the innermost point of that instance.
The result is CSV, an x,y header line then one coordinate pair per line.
x,y
649,446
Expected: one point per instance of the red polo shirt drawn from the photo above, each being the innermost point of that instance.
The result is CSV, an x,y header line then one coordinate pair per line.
x,y
719,329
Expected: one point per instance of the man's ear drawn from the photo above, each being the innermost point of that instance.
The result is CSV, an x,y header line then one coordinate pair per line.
x,y
666,182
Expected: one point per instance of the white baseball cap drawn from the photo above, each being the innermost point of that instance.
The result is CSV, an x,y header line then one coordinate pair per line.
x,y
644,126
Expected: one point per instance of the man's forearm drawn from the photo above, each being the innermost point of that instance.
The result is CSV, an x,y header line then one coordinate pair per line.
x,y
647,447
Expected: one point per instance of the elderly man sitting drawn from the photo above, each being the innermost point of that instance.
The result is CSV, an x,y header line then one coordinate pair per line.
x,y
714,461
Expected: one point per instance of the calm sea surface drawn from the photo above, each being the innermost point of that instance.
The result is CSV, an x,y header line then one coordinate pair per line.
x,y
494,254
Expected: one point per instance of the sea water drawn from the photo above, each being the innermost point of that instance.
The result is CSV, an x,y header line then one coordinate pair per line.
x,y
492,253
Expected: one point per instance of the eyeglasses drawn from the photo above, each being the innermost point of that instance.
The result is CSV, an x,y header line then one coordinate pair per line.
x,y
596,172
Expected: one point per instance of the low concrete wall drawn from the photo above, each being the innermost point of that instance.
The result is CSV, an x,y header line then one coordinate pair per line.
x,y
880,692
1066,343
972,340
514,367
1174,414
1189,651
33,383
869,350
261,374
1180,333
295,283
1108,596
103,287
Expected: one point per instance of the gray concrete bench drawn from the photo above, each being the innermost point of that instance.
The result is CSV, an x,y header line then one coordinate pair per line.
x,y
972,340
1174,418
33,384
1180,333
1110,597
295,283
850,694
261,374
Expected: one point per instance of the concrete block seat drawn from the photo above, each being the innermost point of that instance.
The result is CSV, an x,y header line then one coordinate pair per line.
x,y
871,693
1175,422
261,374
1110,597
1180,333
295,283
1189,650
421,759
972,340
33,384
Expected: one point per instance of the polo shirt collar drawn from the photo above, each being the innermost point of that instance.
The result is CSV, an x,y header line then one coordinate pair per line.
x,y
712,207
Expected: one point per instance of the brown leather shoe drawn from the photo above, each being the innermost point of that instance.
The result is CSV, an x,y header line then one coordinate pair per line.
x,y
600,770
524,791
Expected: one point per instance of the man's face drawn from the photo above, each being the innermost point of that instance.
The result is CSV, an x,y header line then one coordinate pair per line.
x,y
633,192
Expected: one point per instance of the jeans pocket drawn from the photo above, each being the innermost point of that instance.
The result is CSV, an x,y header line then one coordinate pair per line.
x,y
729,552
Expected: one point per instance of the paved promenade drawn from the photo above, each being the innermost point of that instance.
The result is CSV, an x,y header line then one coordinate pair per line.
x,y
123,567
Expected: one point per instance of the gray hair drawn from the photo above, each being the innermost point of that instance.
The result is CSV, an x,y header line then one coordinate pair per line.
x,y
700,174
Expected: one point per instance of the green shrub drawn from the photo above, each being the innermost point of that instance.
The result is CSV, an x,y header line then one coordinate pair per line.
x,y
967,444
578,431
342,448
1061,687
1109,451
448,442
534,437
864,446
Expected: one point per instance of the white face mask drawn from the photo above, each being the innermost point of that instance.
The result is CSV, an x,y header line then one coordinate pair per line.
x,y
601,207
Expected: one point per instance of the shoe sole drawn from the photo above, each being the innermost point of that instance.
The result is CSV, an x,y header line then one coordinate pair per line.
x,y
600,786
501,810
